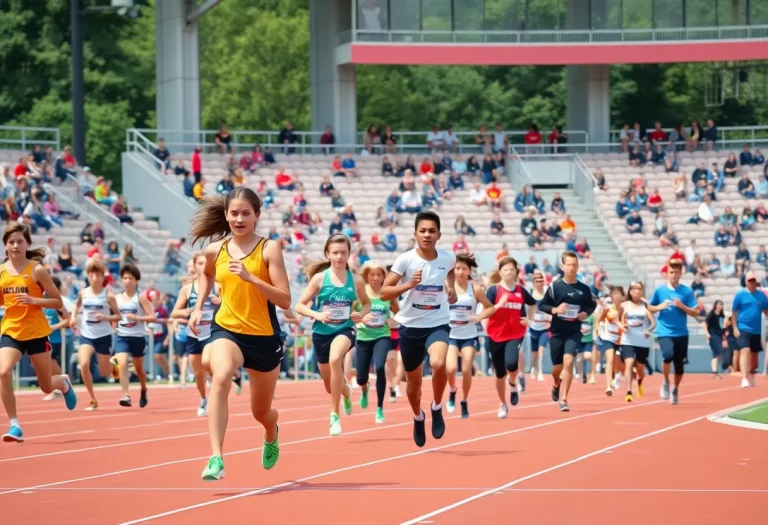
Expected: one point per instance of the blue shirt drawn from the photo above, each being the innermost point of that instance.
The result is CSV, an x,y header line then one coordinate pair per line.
x,y
53,318
673,322
750,306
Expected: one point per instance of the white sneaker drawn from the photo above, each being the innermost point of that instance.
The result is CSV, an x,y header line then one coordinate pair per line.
x,y
335,427
745,383
751,379
503,411
616,384
540,377
202,410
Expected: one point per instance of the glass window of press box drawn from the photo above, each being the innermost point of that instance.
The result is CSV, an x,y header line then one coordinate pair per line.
x,y
521,15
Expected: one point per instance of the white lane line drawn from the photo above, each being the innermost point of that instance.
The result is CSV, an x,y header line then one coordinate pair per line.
x,y
409,455
443,510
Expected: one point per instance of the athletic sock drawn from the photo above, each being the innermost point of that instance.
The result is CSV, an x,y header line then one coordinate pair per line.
x,y
436,407
420,417
15,422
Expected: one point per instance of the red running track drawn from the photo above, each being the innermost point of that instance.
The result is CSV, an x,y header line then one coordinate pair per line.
x,y
605,461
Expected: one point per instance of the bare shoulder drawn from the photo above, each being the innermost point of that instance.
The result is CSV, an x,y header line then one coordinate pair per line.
x,y
213,249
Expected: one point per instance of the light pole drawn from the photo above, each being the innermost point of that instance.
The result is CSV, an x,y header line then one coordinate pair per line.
x,y
77,13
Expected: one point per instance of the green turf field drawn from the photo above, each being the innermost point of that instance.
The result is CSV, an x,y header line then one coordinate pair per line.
x,y
755,414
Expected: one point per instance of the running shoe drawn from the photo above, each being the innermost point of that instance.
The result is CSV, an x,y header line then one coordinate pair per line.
x,y
608,392
115,368
503,411
673,399
270,452
92,405
143,399
521,380
664,392
347,404
745,383
451,401
14,435
335,426
70,398
215,469
564,406
364,397
238,381
629,397
583,379
125,401
556,393
379,415
540,377
419,432
464,410
202,410
438,423
392,395
640,389
514,397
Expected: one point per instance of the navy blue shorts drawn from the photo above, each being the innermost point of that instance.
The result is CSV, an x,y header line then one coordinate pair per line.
x,y
136,346
675,350
414,343
638,353
586,347
605,346
716,345
159,346
194,346
102,345
752,341
322,343
539,339
463,343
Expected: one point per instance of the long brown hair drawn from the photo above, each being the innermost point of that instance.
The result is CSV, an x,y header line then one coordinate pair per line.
x,y
318,266
37,255
210,220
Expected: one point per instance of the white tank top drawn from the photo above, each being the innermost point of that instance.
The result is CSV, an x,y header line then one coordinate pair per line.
x,y
93,305
609,331
637,323
204,326
541,321
461,313
130,305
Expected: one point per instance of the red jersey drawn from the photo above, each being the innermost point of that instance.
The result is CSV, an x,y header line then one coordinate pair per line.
x,y
505,325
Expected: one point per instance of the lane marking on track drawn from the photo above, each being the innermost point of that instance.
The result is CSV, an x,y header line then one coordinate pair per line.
x,y
327,488
443,510
410,455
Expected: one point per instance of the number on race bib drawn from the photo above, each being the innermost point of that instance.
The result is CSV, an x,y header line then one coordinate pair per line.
x,y
379,317
427,297
571,312
460,313
339,311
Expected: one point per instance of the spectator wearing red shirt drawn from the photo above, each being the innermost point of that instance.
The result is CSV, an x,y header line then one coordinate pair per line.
x,y
197,164
284,181
328,139
21,168
658,134
533,136
460,246
655,202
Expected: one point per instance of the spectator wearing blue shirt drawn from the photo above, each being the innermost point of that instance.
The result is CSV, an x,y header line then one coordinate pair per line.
x,y
622,207
674,302
745,159
722,237
716,176
635,222
748,304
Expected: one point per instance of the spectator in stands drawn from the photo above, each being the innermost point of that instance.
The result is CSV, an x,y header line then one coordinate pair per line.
x,y
473,166
728,218
477,196
336,226
488,169
669,238
451,140
745,186
567,226
163,155
225,185
535,240
269,157
761,257
460,246
66,260
745,158
462,227
722,236
731,167
198,190
655,202
557,206
388,140
411,201
435,140
112,258
328,139
538,201
429,199
121,210
497,225
455,181
528,222
761,212
172,262
583,249
670,162
710,135
658,135
390,240
349,165
372,141
495,197
284,180
623,207
337,201
484,140
532,138
557,139
102,193
762,186
257,157
695,137
706,212
728,269
223,140
636,157
747,219
697,286
634,222
288,138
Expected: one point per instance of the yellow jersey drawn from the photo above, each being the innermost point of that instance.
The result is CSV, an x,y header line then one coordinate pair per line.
x,y
244,309
22,322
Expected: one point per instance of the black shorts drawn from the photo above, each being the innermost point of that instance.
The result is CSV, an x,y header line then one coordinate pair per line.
x,y
675,350
752,341
261,353
414,343
194,346
716,345
561,344
322,343
102,345
30,346
638,353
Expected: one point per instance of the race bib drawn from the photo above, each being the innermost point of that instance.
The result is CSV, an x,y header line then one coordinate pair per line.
x,y
125,322
541,317
207,317
460,314
378,319
427,297
611,328
571,312
586,328
90,316
339,311
157,328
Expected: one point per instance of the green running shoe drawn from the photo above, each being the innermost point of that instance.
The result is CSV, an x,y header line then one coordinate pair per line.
x,y
379,415
347,405
215,469
364,398
270,452
335,426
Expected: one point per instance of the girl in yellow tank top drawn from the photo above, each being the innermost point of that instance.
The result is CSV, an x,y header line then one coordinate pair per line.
x,y
25,329
245,332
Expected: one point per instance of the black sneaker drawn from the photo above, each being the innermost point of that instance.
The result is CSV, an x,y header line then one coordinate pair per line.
x,y
522,382
438,423
464,410
514,397
126,402
556,393
419,434
143,400
584,378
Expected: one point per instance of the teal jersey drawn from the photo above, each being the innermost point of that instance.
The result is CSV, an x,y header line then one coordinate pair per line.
x,y
338,301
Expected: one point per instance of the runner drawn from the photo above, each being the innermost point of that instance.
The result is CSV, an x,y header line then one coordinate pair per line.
x,y
570,302
424,277
637,323
99,310
463,336
251,273
374,342
506,329
58,319
587,348
332,290
748,304
160,335
135,311
25,329
673,302
714,324
609,334
538,327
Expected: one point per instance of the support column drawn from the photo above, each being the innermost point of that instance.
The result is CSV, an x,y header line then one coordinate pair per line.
x,y
589,103
333,88
177,73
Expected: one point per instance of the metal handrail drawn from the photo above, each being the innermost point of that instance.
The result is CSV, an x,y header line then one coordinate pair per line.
x,y
615,147
26,142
